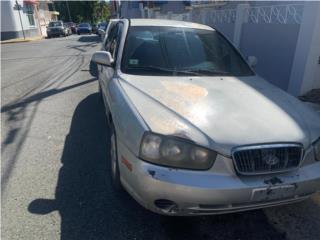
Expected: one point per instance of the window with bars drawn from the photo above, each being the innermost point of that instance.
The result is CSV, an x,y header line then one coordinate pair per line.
x,y
29,12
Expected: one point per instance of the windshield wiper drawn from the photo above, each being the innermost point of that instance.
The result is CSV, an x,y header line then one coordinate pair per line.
x,y
211,72
155,68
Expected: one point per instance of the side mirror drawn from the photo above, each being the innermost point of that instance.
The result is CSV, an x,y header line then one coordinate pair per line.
x,y
252,61
102,33
102,58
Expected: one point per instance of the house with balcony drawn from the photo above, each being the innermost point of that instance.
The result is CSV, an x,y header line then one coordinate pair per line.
x,y
26,18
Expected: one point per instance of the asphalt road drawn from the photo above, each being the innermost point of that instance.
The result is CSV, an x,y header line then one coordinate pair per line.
x,y
55,172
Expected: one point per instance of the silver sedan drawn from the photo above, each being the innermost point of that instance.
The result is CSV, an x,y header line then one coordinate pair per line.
x,y
194,129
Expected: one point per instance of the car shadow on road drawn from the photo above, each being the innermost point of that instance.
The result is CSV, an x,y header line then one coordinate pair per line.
x,y
91,209
89,38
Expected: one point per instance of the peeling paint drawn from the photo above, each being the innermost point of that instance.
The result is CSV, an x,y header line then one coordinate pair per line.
x,y
187,91
183,98
125,162
169,126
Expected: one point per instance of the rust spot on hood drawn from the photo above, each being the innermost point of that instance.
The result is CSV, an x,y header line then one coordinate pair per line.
x,y
168,125
186,91
182,98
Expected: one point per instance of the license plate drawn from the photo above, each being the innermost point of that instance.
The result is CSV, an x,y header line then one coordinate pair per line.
x,y
273,193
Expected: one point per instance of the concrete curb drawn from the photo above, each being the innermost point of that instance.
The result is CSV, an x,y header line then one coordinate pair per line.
x,y
21,40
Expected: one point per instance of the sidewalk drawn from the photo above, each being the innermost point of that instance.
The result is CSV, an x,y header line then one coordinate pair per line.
x,y
19,40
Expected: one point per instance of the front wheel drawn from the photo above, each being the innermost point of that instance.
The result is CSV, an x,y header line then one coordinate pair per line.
x,y
115,172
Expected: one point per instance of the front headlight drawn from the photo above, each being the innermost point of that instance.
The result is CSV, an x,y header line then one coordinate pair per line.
x,y
175,152
316,147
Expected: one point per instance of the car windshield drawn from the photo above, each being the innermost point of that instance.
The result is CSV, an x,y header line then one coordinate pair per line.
x,y
152,50
102,25
83,25
55,24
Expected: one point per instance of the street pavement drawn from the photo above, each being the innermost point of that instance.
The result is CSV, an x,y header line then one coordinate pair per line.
x,y
55,172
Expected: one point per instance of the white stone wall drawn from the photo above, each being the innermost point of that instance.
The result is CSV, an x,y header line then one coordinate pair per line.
x,y
10,20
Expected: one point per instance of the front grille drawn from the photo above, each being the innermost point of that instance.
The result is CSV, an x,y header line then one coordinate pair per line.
x,y
262,159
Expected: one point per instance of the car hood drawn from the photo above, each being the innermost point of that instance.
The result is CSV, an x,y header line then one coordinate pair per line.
x,y
221,112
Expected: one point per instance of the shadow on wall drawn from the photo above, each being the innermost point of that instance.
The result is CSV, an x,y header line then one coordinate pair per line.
x,y
91,209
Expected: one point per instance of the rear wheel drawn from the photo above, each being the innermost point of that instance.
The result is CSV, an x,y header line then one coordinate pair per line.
x,y
115,172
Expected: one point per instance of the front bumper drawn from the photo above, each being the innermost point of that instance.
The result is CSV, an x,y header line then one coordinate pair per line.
x,y
219,190
54,34
84,31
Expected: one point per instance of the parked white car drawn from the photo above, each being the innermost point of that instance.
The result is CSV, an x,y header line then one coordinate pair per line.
x,y
194,129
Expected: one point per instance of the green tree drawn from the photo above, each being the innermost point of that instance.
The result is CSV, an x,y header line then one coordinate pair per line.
x,y
83,11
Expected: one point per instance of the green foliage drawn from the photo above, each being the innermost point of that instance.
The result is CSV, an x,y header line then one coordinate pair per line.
x,y
83,11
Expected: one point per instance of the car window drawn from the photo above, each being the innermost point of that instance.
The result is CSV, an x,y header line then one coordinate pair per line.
x,y
102,25
108,31
173,50
113,39
55,24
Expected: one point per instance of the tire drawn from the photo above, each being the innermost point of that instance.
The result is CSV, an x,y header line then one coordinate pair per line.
x,y
115,172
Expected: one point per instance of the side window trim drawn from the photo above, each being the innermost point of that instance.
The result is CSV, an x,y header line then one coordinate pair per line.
x,y
115,38
110,36
118,39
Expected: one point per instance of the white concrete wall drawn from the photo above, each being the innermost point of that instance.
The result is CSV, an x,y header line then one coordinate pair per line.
x,y
8,22
312,76
305,74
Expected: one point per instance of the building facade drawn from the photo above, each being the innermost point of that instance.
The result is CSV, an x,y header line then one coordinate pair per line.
x,y
284,36
25,18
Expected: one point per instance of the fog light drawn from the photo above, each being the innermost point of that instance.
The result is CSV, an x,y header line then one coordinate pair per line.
x,y
166,205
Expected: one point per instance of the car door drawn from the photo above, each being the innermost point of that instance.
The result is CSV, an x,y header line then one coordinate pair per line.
x,y
112,46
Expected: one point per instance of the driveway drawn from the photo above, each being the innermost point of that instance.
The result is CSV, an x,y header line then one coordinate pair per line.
x,y
55,171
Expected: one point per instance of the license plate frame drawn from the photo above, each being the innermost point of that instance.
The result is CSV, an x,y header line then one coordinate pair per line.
x,y
273,193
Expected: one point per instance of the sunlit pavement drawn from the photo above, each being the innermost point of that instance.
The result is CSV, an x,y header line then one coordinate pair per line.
x,y
55,172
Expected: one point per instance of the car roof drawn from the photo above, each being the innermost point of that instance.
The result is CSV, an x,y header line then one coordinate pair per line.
x,y
167,23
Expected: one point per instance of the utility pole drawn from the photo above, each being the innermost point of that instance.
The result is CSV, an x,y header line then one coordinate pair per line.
x,y
70,20
19,7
